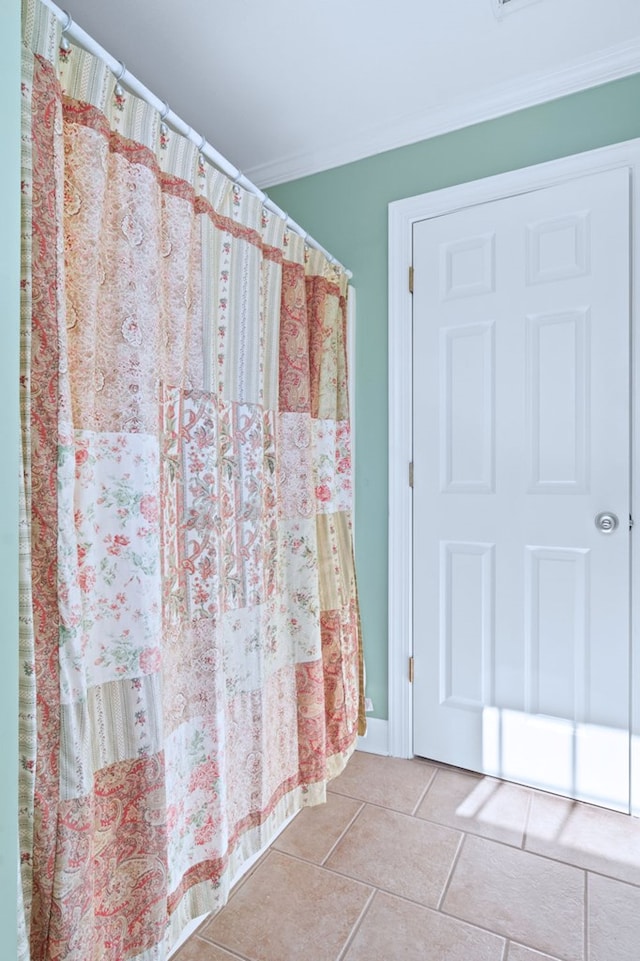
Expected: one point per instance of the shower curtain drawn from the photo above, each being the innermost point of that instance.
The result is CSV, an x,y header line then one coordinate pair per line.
x,y
190,643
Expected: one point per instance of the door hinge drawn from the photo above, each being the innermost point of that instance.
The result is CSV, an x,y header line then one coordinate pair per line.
x,y
630,521
410,473
410,280
411,669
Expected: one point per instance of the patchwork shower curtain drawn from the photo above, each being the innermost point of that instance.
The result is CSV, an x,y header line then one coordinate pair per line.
x,y
190,644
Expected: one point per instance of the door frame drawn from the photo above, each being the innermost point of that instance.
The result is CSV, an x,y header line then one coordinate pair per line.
x,y
403,214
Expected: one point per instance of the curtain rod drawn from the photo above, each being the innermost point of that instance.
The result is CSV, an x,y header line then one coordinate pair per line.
x,y
73,32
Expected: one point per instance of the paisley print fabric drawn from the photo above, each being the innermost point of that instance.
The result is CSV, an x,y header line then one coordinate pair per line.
x,y
191,653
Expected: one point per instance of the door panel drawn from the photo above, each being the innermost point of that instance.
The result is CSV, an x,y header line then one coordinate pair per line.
x,y
521,437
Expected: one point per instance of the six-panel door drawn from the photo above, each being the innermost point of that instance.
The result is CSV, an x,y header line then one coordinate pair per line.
x,y
521,438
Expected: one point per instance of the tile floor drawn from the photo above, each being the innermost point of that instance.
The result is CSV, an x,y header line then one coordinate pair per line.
x,y
412,861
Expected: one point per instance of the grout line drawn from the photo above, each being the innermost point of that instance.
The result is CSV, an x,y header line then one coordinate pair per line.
x,y
536,949
210,915
450,874
247,875
420,904
323,864
340,874
482,927
473,832
526,837
558,859
609,877
357,925
525,833
469,834
326,867
386,807
578,867
390,893
587,951
223,947
369,884
425,792
528,947
348,827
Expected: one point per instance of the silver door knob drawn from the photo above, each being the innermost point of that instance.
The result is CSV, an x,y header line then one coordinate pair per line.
x,y
606,522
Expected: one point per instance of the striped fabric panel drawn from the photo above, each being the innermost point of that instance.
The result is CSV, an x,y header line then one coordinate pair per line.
x,y
110,721
45,360
335,561
271,296
212,254
87,79
41,30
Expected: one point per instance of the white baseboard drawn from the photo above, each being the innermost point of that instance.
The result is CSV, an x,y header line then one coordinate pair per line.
x,y
376,740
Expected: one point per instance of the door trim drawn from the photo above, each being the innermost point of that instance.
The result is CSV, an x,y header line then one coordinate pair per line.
x,y
402,216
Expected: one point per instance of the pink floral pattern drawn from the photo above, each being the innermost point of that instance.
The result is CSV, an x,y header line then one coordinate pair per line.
x,y
197,671
294,341
332,466
327,310
118,622
295,465
224,468
41,432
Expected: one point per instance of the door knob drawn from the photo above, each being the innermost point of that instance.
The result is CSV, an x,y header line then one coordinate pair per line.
x,y
606,522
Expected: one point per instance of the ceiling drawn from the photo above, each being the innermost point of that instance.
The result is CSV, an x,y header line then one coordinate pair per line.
x,y
284,88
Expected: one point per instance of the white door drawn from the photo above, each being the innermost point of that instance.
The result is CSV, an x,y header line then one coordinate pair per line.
x,y
521,397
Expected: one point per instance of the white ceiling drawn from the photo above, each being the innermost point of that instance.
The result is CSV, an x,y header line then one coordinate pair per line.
x,y
287,87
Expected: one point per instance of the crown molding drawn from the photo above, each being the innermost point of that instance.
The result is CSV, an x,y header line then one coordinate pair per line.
x,y
613,63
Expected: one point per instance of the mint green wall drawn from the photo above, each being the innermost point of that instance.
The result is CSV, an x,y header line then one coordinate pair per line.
x,y
345,209
9,333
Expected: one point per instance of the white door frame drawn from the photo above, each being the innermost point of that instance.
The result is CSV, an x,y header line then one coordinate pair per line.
x,y
402,216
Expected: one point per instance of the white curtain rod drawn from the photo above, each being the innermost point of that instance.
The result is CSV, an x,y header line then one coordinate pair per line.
x,y
75,33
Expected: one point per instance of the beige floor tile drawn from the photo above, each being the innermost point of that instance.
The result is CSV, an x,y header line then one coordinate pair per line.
x,y
197,950
398,853
522,896
614,920
237,885
288,910
589,836
479,805
516,952
314,831
389,781
395,930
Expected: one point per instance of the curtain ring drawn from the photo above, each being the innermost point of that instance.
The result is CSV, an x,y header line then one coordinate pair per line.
x,y
118,91
65,46
201,156
164,111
